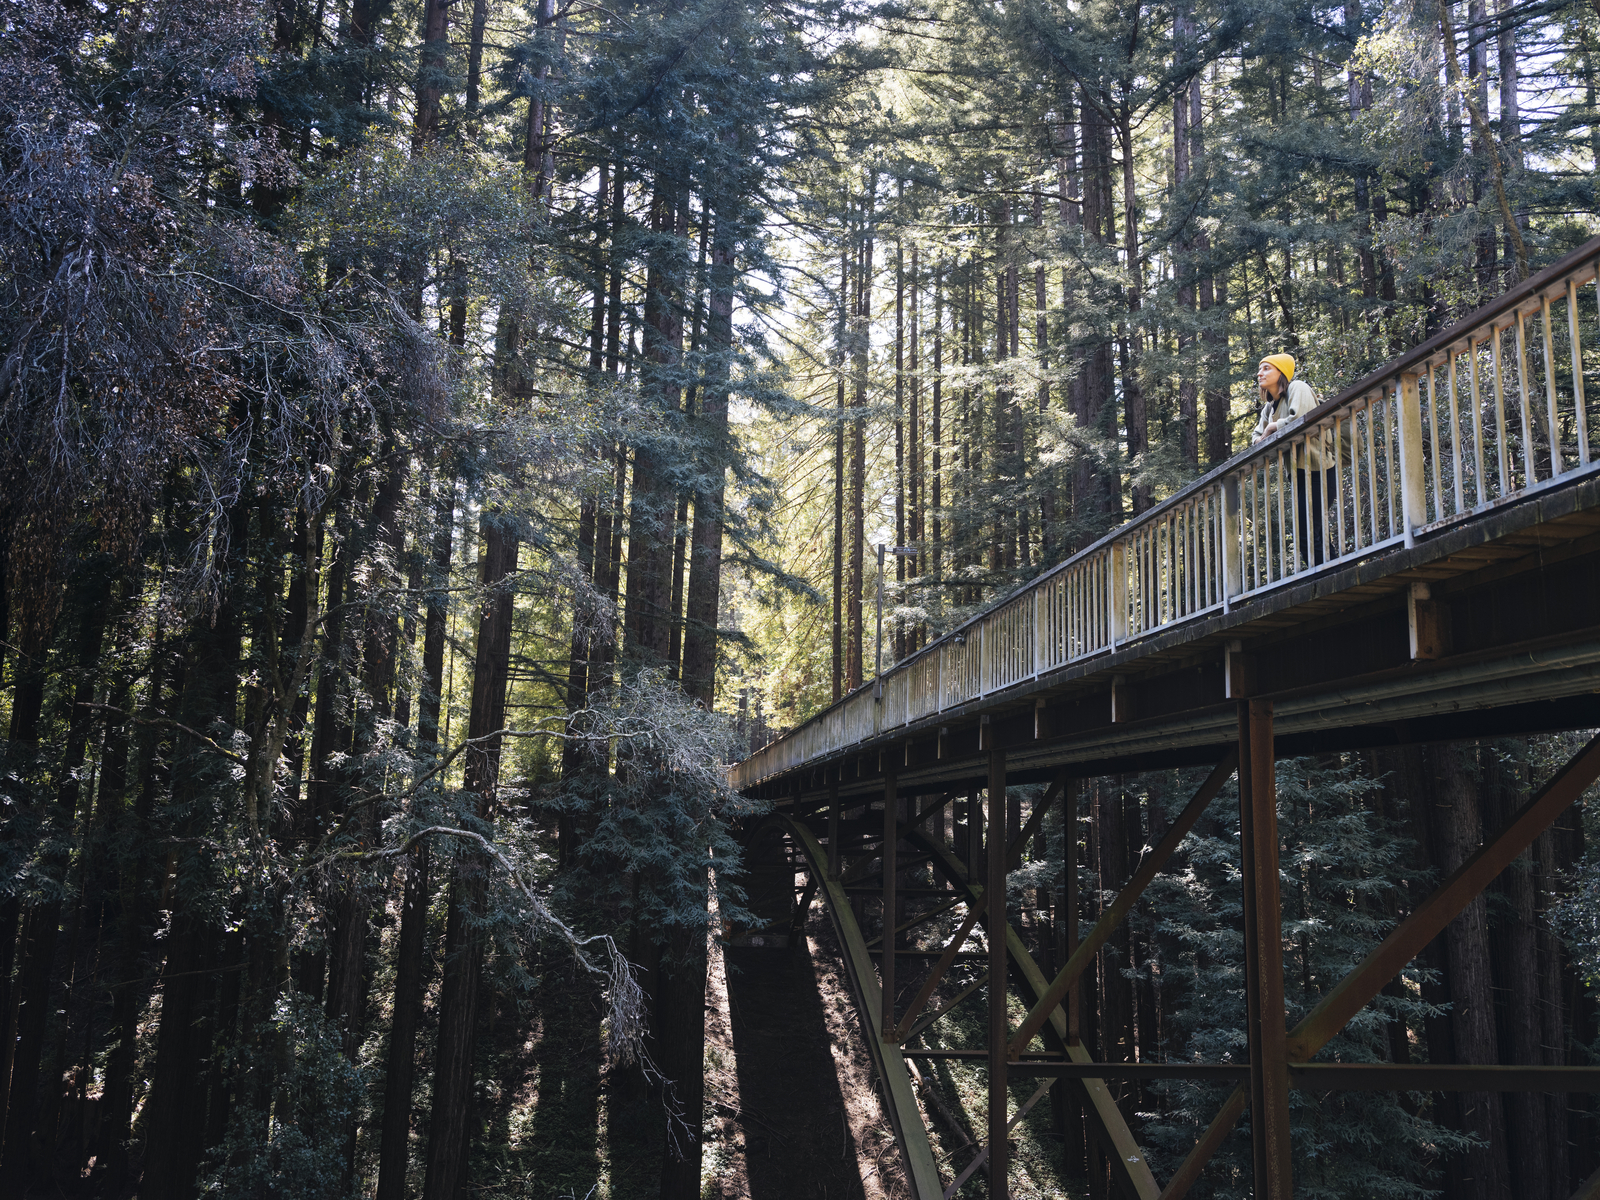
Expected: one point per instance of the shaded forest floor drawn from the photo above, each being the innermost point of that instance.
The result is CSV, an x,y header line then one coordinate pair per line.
x,y
793,1110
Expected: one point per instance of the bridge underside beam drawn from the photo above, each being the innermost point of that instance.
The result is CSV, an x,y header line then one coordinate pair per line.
x,y
1311,1077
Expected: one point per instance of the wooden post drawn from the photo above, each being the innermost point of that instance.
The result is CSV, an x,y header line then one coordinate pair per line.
x,y
1038,630
999,1028
1232,548
1413,493
1117,585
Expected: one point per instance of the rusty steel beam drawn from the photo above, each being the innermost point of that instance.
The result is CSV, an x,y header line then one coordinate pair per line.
x,y
797,926
1333,1077
1124,1155
1113,916
906,891
932,1017
1442,1077
1409,938
999,1026
938,805
891,846
1136,1072
983,1153
864,869
1356,989
899,1099
1069,911
1210,1142
902,953
1269,1075
901,1030
959,1055
921,918
833,827
1036,818
975,910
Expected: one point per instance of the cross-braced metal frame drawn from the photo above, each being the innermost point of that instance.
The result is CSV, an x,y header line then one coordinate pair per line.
x,y
1280,1058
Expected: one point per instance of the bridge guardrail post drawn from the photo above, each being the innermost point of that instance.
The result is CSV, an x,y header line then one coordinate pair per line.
x,y
1413,489
1117,591
985,644
1038,630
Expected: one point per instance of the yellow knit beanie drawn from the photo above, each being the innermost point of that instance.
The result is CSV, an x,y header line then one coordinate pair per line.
x,y
1284,363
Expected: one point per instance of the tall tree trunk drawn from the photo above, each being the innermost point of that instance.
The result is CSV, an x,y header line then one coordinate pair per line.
x,y
448,1136
860,336
1459,829
898,639
35,1096
538,151
705,567
35,625
480,18
1183,265
174,1133
400,1073
1478,73
431,78
681,1041
838,477
654,499
916,519
936,480
1133,402
1515,957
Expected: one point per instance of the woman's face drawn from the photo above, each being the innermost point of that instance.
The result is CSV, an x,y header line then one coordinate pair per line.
x,y
1269,377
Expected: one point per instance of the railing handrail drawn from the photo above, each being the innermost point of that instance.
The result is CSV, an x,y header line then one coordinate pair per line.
x,y
1398,367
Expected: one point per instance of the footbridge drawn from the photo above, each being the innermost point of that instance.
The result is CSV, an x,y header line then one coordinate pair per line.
x,y
1417,560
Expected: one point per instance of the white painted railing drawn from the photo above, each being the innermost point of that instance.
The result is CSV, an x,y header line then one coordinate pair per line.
x,y
1481,415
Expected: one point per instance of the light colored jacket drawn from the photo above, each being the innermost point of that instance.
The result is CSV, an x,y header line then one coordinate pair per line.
x,y
1297,400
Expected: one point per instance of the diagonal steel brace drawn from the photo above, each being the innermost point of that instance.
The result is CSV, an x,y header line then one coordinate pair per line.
x,y
1409,939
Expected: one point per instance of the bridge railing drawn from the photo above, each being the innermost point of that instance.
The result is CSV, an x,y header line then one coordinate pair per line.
x,y
1487,412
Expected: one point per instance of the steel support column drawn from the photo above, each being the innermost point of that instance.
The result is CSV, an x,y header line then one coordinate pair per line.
x,y
1149,866
1426,922
1263,918
833,827
1069,908
1127,1160
999,1029
891,842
